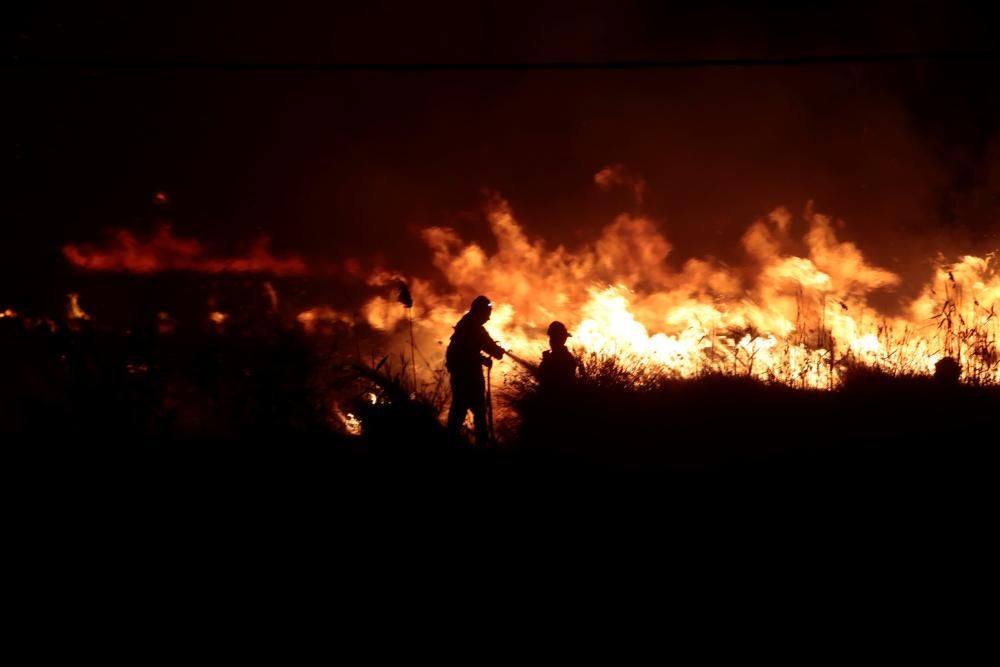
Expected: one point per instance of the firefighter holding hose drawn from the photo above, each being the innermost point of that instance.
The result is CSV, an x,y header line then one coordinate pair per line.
x,y
471,348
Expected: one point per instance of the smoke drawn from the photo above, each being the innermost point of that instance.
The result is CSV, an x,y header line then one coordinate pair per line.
x,y
617,175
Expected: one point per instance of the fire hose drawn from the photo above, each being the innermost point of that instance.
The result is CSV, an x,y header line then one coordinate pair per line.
x,y
530,367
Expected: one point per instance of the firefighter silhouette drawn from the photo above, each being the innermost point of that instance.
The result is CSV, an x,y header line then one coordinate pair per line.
x,y
558,368
465,359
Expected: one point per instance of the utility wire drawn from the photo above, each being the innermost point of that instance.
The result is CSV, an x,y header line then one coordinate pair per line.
x,y
96,64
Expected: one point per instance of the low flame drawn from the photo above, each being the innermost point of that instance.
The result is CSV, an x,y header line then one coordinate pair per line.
x,y
73,309
272,295
315,318
166,252
350,423
794,319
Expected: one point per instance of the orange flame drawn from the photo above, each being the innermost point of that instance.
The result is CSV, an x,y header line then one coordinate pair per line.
x,y
272,295
166,252
316,317
347,422
794,319
73,309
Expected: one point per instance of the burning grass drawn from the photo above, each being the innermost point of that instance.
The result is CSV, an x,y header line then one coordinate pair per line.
x,y
800,309
688,363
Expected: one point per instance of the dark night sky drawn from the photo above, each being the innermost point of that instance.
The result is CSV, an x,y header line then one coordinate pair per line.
x,y
334,164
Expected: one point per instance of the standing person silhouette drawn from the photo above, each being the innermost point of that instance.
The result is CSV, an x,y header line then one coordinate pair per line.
x,y
464,360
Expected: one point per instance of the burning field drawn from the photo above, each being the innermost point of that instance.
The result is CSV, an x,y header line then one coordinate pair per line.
x,y
798,319
734,265
799,310
804,327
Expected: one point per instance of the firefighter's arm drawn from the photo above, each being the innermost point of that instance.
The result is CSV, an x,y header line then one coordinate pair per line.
x,y
490,347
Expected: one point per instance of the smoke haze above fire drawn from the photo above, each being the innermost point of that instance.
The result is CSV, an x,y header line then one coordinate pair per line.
x,y
335,165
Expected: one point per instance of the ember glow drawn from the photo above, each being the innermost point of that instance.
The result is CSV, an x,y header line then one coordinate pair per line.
x,y
799,320
165,324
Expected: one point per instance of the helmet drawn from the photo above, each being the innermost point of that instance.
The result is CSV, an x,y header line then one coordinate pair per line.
x,y
557,328
480,303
